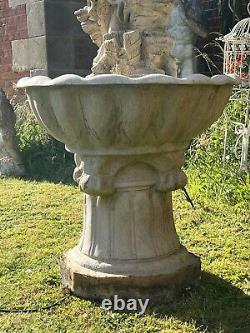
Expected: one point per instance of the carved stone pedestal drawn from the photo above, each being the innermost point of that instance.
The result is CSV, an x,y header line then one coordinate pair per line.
x,y
129,244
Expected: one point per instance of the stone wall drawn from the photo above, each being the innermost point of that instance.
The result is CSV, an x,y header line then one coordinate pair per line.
x,y
13,25
42,37
56,44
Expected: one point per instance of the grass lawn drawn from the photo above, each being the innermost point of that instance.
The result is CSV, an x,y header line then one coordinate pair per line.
x,y
38,221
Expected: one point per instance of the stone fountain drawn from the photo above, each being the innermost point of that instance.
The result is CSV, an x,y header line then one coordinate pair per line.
x,y
129,124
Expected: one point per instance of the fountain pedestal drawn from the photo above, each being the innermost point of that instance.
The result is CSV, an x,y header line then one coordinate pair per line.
x,y
129,242
129,137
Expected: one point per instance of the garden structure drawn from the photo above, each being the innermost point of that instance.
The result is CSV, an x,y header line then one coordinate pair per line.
x,y
237,64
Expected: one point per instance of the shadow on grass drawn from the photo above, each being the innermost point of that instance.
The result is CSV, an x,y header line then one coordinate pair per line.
x,y
215,306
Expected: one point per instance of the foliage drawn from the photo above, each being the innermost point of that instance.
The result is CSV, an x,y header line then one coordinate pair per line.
x,y
38,221
45,158
212,176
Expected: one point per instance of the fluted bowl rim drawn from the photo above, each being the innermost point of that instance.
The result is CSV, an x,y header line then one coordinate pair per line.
x,y
113,79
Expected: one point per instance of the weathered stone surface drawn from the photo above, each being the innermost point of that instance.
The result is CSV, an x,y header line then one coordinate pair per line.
x,y
11,163
174,272
15,3
138,38
129,137
184,28
36,19
29,54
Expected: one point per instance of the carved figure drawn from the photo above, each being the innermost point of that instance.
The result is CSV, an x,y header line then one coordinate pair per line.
x,y
10,160
106,23
137,38
184,27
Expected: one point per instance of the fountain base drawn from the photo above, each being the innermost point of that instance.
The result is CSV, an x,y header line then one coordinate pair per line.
x,y
129,246
155,279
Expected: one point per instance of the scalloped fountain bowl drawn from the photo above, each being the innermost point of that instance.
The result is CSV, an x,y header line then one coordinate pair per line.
x,y
129,137
112,114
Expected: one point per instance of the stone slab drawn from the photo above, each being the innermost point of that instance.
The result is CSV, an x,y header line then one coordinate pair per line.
x,y
29,54
36,18
15,3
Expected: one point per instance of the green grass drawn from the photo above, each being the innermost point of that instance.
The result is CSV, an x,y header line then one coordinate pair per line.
x,y
38,221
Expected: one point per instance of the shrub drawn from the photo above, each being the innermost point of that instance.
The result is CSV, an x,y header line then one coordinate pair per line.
x,y
209,173
44,157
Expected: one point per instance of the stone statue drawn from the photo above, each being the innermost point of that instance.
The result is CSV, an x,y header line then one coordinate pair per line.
x,y
105,22
185,26
10,160
136,38
132,42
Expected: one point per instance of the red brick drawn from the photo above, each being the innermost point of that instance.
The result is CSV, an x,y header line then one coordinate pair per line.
x,y
13,25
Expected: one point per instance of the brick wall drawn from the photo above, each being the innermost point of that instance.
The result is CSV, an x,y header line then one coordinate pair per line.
x,y
13,26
